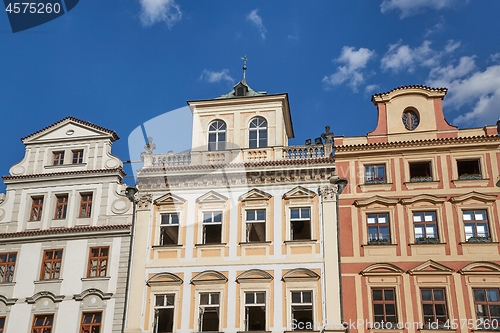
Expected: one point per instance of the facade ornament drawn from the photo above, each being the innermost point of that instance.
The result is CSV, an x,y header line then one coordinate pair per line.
x,y
144,201
147,156
328,192
327,135
150,146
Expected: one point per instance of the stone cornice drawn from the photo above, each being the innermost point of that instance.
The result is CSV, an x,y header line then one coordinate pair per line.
x,y
64,175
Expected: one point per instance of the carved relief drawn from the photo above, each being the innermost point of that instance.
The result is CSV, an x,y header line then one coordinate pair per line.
x,y
144,201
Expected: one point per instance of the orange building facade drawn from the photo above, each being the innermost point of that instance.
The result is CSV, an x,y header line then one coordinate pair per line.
x,y
419,219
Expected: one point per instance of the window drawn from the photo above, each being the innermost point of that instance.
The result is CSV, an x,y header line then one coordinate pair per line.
x,y
302,311
300,223
91,322
36,208
258,133
51,264
256,225
375,174
384,305
255,311
58,158
217,135
98,261
209,312
43,323
425,227
85,205
7,265
476,226
434,307
410,119
61,206
469,169
164,313
212,227
2,324
420,172
169,229
77,156
487,305
378,228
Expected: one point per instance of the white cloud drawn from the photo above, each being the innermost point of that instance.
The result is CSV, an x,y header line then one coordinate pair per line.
x,y
443,76
257,20
154,11
212,77
437,27
495,57
354,62
371,88
412,7
451,46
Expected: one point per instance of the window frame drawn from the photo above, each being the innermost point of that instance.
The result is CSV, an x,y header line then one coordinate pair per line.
x,y
425,238
486,305
36,215
170,225
205,224
157,308
7,267
58,157
429,176
475,237
295,322
220,130
3,319
299,220
255,304
54,272
384,302
375,179
201,313
85,208
255,221
98,267
77,154
259,129
476,174
378,225
63,205
433,303
43,328
92,324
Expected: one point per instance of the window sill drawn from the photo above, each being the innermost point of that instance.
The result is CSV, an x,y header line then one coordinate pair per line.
x,y
254,243
167,246
96,278
300,241
375,186
211,244
7,284
47,281
421,184
470,182
478,243
376,245
422,243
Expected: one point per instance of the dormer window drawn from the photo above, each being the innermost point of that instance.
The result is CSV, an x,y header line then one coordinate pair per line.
x,y
258,133
217,135
58,158
240,90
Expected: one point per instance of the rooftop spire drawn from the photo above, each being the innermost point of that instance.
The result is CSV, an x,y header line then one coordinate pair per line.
x,y
244,69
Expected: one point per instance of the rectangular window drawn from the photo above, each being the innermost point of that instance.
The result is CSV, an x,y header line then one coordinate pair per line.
x,y
98,261
91,322
384,305
487,305
302,311
469,169
212,227
7,265
164,313
36,208
476,226
209,312
42,323
256,225
58,158
425,227
51,264
420,172
375,174
85,205
61,206
300,223
255,311
434,307
77,156
378,228
169,229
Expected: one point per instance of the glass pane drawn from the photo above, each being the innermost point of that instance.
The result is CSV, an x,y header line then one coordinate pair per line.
x,y
175,219
439,295
305,213
218,217
428,309
440,309
307,296
467,216
377,295
249,298
482,229
261,214
492,295
480,215
419,232
383,218
378,309
170,299
426,294
215,298
389,295
430,216
384,232
296,297
390,309
261,298
294,213
159,300
417,217
250,215
430,230
207,217
252,135
479,295
494,311
371,219
203,299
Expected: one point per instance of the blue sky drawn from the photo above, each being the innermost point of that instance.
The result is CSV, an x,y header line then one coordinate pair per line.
x,y
120,63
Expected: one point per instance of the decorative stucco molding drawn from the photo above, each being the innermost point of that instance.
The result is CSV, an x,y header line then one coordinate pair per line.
x,y
382,268
300,274
164,279
144,201
299,192
44,294
209,277
255,194
210,197
431,267
480,268
8,301
92,291
423,197
254,276
169,199
376,199
473,196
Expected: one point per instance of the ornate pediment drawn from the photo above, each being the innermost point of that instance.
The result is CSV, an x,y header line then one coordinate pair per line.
x,y
211,197
481,268
169,199
382,269
44,294
92,291
474,196
164,279
299,192
300,274
8,301
425,198
376,199
209,277
255,194
431,267
254,275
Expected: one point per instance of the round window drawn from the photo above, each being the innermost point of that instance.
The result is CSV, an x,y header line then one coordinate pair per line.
x,y
410,119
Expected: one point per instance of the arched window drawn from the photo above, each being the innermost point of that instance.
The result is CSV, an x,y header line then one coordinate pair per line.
x,y
258,133
217,135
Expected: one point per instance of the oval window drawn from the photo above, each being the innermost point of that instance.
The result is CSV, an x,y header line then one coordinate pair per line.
x,y
410,119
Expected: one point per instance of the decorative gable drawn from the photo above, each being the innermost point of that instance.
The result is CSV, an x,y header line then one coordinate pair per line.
x,y
479,197
300,274
211,197
299,192
423,198
480,268
209,277
253,276
255,194
382,269
376,200
431,267
169,199
164,279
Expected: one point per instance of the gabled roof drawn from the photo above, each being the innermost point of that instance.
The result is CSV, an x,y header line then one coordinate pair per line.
x,y
249,91
73,120
412,88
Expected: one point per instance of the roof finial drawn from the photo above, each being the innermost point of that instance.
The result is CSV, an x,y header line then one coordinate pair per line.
x,y
244,69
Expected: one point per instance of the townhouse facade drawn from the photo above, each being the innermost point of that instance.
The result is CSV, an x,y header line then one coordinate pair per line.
x,y
64,233
419,219
234,235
